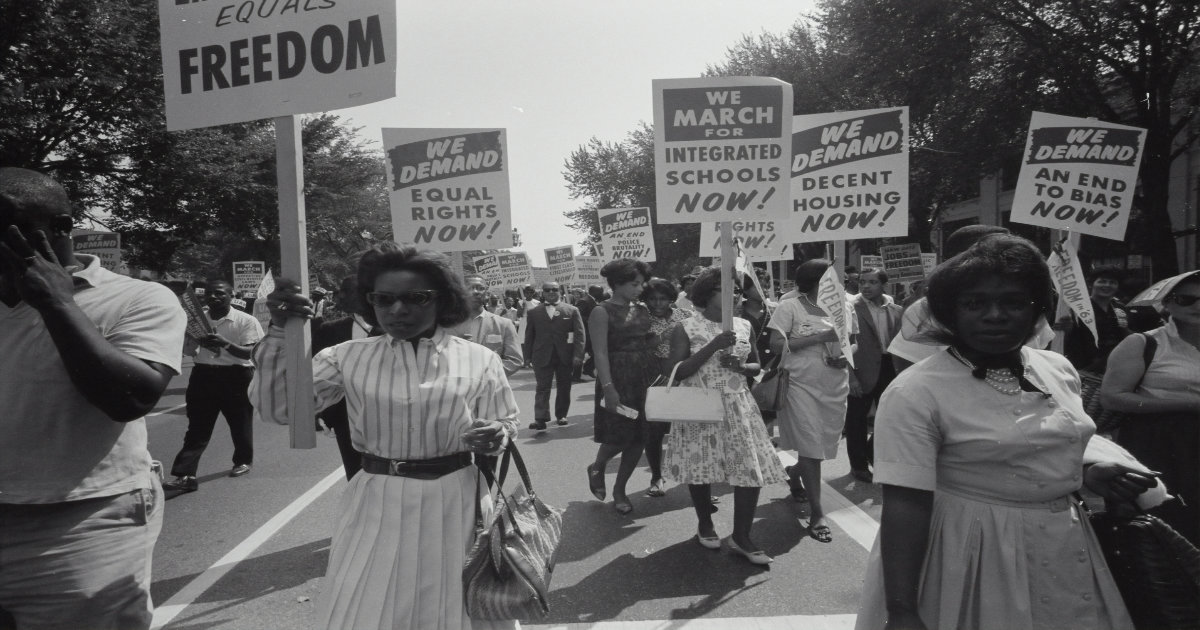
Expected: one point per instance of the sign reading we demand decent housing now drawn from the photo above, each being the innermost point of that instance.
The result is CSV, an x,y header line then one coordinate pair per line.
x,y
226,62
448,188
722,146
1078,174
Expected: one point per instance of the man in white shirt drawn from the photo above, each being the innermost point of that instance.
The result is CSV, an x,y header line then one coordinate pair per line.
x,y
878,322
218,385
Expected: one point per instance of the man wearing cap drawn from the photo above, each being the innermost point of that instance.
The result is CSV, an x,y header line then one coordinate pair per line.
x,y
84,355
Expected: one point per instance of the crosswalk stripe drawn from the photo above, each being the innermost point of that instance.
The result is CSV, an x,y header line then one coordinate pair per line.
x,y
848,516
790,622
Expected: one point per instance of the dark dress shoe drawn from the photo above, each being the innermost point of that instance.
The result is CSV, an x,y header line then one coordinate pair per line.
x,y
538,426
239,470
182,484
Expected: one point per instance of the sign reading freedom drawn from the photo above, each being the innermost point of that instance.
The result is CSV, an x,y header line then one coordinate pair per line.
x,y
227,62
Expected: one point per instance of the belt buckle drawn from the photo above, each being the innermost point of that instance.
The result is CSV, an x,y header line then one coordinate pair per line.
x,y
394,466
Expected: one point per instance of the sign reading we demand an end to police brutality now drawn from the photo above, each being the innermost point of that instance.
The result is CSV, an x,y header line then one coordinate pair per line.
x,y
627,233
449,188
1078,174
850,175
722,146
227,61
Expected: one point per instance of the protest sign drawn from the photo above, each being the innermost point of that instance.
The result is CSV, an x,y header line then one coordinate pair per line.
x,y
1070,284
587,269
247,275
627,233
198,325
870,261
226,62
928,262
1079,175
903,262
448,188
831,297
849,175
514,270
260,311
104,245
721,148
488,266
561,262
539,276
760,241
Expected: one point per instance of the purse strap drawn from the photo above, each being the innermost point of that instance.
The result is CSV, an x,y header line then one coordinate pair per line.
x,y
671,380
510,453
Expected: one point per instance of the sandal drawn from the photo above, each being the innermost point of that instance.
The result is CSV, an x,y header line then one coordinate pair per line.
x,y
622,507
596,482
820,532
656,489
796,486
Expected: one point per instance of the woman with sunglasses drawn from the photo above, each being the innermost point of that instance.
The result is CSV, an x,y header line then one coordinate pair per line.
x,y
421,403
979,449
1161,402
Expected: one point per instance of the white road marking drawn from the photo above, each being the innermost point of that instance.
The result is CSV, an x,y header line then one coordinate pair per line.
x,y
166,411
790,622
165,613
848,516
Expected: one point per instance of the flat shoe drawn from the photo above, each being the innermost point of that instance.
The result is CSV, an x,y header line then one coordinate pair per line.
x,y
712,542
656,489
755,557
596,482
820,532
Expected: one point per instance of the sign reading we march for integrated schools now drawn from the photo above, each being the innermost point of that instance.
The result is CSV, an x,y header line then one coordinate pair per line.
x,y
448,188
226,62
1079,175
627,233
722,146
849,175
248,275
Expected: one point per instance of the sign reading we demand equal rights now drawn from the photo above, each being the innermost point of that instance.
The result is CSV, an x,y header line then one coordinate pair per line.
x,y
448,188
722,146
627,233
226,62
1079,175
850,175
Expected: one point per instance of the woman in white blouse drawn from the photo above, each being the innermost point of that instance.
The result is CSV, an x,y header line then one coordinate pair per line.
x,y
420,403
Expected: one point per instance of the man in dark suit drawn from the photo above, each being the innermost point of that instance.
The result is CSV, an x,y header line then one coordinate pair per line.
x,y
878,321
331,333
554,340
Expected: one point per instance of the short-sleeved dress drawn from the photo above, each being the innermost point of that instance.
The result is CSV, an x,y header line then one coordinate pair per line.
x,y
811,422
632,367
738,450
1008,546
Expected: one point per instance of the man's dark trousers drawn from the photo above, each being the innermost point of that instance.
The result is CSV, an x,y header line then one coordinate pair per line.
x,y
860,448
212,390
559,371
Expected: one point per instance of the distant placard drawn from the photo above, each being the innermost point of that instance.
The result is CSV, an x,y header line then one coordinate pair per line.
x,y
247,275
540,276
515,270
761,241
849,175
587,269
488,266
627,233
870,261
561,262
448,188
903,262
722,146
104,245
928,262
227,62
1078,174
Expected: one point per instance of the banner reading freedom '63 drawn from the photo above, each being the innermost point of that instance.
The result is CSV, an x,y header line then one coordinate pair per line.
x,y
722,146
226,62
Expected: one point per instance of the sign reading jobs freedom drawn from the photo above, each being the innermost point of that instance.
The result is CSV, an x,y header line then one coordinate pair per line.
x,y
722,146
226,62
448,188
849,175
1078,174
627,233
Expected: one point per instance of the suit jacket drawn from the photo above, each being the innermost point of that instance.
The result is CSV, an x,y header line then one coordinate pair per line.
x,y
868,356
496,333
546,338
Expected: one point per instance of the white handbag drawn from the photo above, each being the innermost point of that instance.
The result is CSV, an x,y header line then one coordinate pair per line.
x,y
670,403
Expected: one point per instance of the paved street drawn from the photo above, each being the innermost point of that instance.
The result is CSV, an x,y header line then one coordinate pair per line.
x,y
248,553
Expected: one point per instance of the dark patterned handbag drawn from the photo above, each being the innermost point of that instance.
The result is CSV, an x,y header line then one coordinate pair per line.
x,y
508,568
771,392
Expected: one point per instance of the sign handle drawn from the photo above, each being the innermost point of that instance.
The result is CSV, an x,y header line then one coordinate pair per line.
x,y
728,253
289,169
1059,343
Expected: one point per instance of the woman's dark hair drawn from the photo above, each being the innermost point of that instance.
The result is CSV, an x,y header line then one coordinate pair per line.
x,y
1002,255
659,286
624,270
706,287
809,273
452,302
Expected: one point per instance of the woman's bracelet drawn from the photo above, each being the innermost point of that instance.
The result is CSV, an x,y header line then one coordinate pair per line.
x,y
606,385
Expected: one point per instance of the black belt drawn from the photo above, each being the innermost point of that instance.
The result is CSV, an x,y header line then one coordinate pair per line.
x,y
416,468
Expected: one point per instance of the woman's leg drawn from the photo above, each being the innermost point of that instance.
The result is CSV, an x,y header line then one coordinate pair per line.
x,y
745,502
702,503
810,474
654,456
629,461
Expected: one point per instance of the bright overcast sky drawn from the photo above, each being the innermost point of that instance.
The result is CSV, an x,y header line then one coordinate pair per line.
x,y
554,74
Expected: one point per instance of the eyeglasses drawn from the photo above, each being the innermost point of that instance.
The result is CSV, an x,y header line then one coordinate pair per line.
x,y
412,298
551,290
1005,304
1183,300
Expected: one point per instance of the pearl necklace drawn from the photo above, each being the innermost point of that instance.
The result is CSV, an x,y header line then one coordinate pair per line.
x,y
1001,380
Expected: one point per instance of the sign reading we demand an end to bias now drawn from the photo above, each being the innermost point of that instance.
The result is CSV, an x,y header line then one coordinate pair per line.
x,y
233,61
1078,174
721,149
627,233
849,175
448,188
